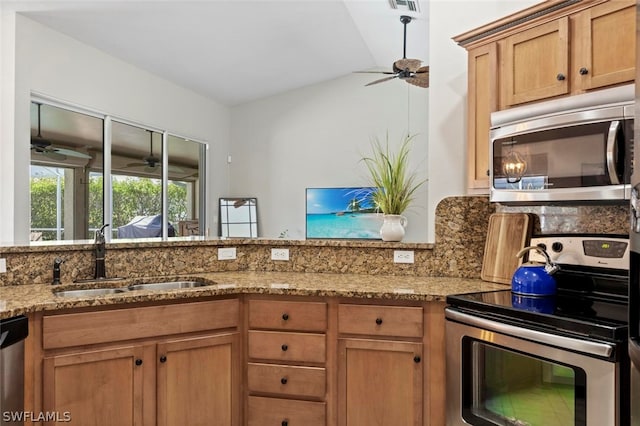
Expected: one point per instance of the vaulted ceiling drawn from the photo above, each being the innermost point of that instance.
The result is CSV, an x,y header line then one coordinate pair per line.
x,y
236,51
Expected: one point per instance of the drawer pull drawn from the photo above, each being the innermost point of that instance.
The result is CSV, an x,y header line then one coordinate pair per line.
x,y
378,321
560,77
285,316
138,361
285,423
163,358
284,348
417,359
283,380
583,71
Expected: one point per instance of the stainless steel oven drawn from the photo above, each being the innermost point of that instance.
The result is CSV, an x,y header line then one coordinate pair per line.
x,y
573,149
544,361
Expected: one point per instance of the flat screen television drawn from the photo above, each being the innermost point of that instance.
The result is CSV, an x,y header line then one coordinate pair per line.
x,y
342,213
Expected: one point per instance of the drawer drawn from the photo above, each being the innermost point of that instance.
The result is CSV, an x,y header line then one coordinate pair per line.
x,y
376,320
283,315
279,412
287,346
287,380
88,328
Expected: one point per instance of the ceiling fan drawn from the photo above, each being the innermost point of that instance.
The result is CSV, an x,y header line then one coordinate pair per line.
x,y
44,146
151,162
409,70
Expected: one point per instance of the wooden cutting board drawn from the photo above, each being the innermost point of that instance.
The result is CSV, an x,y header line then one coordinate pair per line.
x,y
507,234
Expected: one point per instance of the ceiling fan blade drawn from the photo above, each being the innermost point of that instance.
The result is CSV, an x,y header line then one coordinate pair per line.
x,y
374,72
411,64
382,80
420,80
422,70
71,153
49,154
148,168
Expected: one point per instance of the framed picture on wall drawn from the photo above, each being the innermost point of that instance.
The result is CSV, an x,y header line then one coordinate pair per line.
x,y
344,213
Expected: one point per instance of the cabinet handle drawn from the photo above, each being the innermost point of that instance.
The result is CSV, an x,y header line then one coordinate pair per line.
x,y
417,359
283,380
583,71
560,77
285,423
284,348
378,321
285,316
138,361
163,358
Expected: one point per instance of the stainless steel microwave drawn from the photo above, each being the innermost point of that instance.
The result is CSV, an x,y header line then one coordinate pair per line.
x,y
577,148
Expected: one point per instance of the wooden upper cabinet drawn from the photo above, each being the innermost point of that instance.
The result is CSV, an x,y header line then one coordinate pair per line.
x,y
536,63
555,48
481,102
605,45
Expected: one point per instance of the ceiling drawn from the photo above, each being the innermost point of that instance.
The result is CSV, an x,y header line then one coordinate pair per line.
x,y
237,51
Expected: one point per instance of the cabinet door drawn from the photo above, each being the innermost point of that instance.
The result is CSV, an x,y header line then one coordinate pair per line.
x,y
481,102
102,387
198,381
606,40
536,63
380,383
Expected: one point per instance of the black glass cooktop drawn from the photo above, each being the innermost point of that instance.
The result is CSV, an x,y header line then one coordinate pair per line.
x,y
590,303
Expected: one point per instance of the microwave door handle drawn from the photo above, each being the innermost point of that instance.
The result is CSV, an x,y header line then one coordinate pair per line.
x,y
611,146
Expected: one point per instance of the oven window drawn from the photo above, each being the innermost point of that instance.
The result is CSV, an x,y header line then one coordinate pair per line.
x,y
504,387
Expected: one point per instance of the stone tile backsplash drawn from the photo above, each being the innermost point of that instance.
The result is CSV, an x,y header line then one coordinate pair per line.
x,y
461,226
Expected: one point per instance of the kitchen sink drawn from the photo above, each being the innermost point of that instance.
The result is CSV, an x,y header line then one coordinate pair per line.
x,y
170,285
90,292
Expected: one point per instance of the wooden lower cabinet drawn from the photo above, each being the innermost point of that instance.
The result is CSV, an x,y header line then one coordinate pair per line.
x,y
285,412
189,376
188,381
196,378
380,383
98,387
326,362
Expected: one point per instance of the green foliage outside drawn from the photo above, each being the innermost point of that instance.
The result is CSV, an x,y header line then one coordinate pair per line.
x,y
131,197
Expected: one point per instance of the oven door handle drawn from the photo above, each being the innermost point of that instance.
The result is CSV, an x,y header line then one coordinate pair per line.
x,y
584,346
614,127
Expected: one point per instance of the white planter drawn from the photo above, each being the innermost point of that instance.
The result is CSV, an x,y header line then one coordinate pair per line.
x,y
393,227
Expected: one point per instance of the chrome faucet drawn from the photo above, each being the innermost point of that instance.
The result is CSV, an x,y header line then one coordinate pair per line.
x,y
101,252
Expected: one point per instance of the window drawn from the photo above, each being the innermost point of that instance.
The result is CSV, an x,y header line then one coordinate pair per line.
x,y
70,160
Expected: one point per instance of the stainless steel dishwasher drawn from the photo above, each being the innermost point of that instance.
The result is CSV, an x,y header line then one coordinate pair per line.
x,y
13,331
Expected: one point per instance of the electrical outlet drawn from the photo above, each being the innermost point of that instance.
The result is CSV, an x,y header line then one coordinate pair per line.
x,y
279,254
3,266
226,253
403,256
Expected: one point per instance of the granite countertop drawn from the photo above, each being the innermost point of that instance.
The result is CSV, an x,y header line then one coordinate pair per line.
x,y
22,299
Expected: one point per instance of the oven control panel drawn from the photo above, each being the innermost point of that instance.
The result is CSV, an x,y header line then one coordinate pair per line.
x,y
604,251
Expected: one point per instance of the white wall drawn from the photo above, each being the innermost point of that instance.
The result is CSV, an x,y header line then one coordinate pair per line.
x,y
53,64
448,91
315,137
7,165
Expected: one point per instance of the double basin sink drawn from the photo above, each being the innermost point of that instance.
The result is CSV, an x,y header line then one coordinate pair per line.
x,y
157,286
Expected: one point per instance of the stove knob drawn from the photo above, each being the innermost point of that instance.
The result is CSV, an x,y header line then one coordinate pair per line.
x,y
557,247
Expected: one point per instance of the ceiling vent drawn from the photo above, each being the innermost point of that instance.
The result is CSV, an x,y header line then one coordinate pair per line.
x,y
405,5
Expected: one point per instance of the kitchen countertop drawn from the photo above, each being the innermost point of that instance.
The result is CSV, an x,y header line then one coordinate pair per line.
x,y
22,299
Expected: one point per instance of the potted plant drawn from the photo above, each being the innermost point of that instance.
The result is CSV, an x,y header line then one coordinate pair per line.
x,y
396,185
